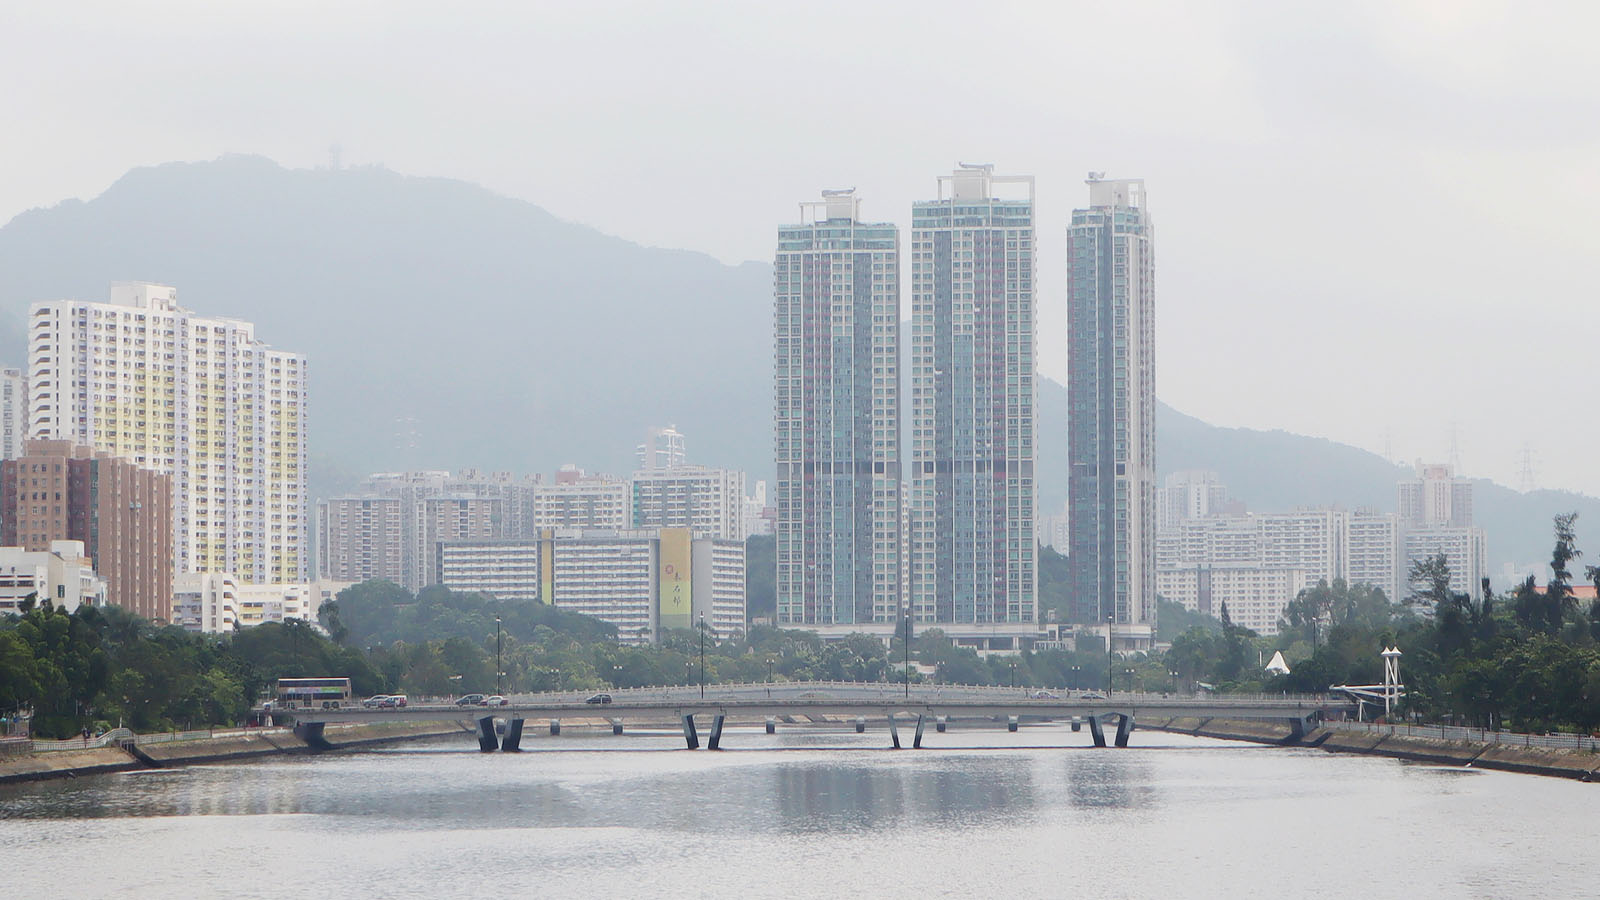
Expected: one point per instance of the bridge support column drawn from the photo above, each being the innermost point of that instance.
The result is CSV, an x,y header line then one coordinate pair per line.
x,y
555,727
916,742
1077,723
1096,731
772,725
1124,728
511,742
861,724
616,726
1011,723
488,741
714,742
690,736
311,733
894,732
940,723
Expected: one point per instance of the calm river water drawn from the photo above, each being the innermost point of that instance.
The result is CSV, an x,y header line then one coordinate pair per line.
x,y
806,813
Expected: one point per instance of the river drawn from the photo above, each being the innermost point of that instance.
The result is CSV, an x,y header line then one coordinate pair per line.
x,y
805,813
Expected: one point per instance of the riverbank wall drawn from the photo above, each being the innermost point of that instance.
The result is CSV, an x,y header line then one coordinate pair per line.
x,y
221,747
1574,764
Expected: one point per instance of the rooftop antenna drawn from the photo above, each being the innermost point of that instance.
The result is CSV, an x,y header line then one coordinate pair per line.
x,y
1388,445
1455,448
333,157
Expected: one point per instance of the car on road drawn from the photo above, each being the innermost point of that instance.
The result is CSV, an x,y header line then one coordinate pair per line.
x,y
1043,695
376,701
394,701
470,700
1091,695
599,698
495,700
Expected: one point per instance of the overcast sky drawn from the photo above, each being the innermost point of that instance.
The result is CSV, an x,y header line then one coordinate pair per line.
x,y
1375,222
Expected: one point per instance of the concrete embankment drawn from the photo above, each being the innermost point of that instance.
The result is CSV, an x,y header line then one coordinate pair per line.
x,y
230,746
1575,764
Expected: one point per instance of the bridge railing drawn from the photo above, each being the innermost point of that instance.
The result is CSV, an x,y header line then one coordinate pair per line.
x,y
1477,735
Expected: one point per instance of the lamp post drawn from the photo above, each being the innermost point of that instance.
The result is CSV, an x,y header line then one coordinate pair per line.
x,y
702,656
1130,673
1075,671
616,674
1174,674
908,653
499,670
1109,621
1013,676
770,661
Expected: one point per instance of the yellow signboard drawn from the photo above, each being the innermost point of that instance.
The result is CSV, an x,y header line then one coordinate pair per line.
x,y
674,579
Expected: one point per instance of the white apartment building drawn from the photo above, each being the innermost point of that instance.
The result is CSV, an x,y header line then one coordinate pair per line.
x,y
1435,497
13,412
580,500
643,581
213,602
663,448
197,397
708,502
64,575
758,516
1255,595
1373,552
1190,494
1465,549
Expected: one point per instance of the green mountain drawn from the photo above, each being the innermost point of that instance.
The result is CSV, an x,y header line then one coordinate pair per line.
x,y
448,326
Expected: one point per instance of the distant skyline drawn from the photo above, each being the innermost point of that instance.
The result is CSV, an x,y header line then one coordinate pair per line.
x,y
1376,222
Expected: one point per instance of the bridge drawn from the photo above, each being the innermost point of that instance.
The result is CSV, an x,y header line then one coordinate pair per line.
x,y
918,703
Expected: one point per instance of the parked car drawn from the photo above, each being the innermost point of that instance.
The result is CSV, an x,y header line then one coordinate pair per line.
x,y
471,700
375,701
495,700
599,698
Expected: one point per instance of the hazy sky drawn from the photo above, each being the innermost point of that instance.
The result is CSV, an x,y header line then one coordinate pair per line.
x,y
1375,222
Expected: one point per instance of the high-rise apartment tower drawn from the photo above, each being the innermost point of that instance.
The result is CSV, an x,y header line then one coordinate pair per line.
x,y
1111,424
197,397
836,337
973,552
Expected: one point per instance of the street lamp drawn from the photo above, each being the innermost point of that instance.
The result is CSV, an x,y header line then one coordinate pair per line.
x,y
1109,621
908,653
498,632
1075,671
770,661
702,656
1129,673
616,674
1174,674
1013,676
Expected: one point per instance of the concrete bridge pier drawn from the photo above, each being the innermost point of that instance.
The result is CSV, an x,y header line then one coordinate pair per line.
x,y
772,725
511,742
311,733
488,741
690,736
1011,724
1077,723
1096,730
916,742
555,727
714,742
940,723
894,732
1124,728
616,726
861,724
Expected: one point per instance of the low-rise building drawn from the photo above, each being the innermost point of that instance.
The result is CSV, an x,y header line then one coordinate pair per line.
x,y
213,602
643,581
62,574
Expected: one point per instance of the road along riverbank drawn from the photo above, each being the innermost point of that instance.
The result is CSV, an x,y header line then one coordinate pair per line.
x,y
1576,764
218,747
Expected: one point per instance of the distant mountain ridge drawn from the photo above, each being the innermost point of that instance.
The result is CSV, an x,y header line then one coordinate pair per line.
x,y
448,326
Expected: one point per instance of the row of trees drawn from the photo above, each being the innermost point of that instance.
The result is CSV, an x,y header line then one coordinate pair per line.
x,y
1526,659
